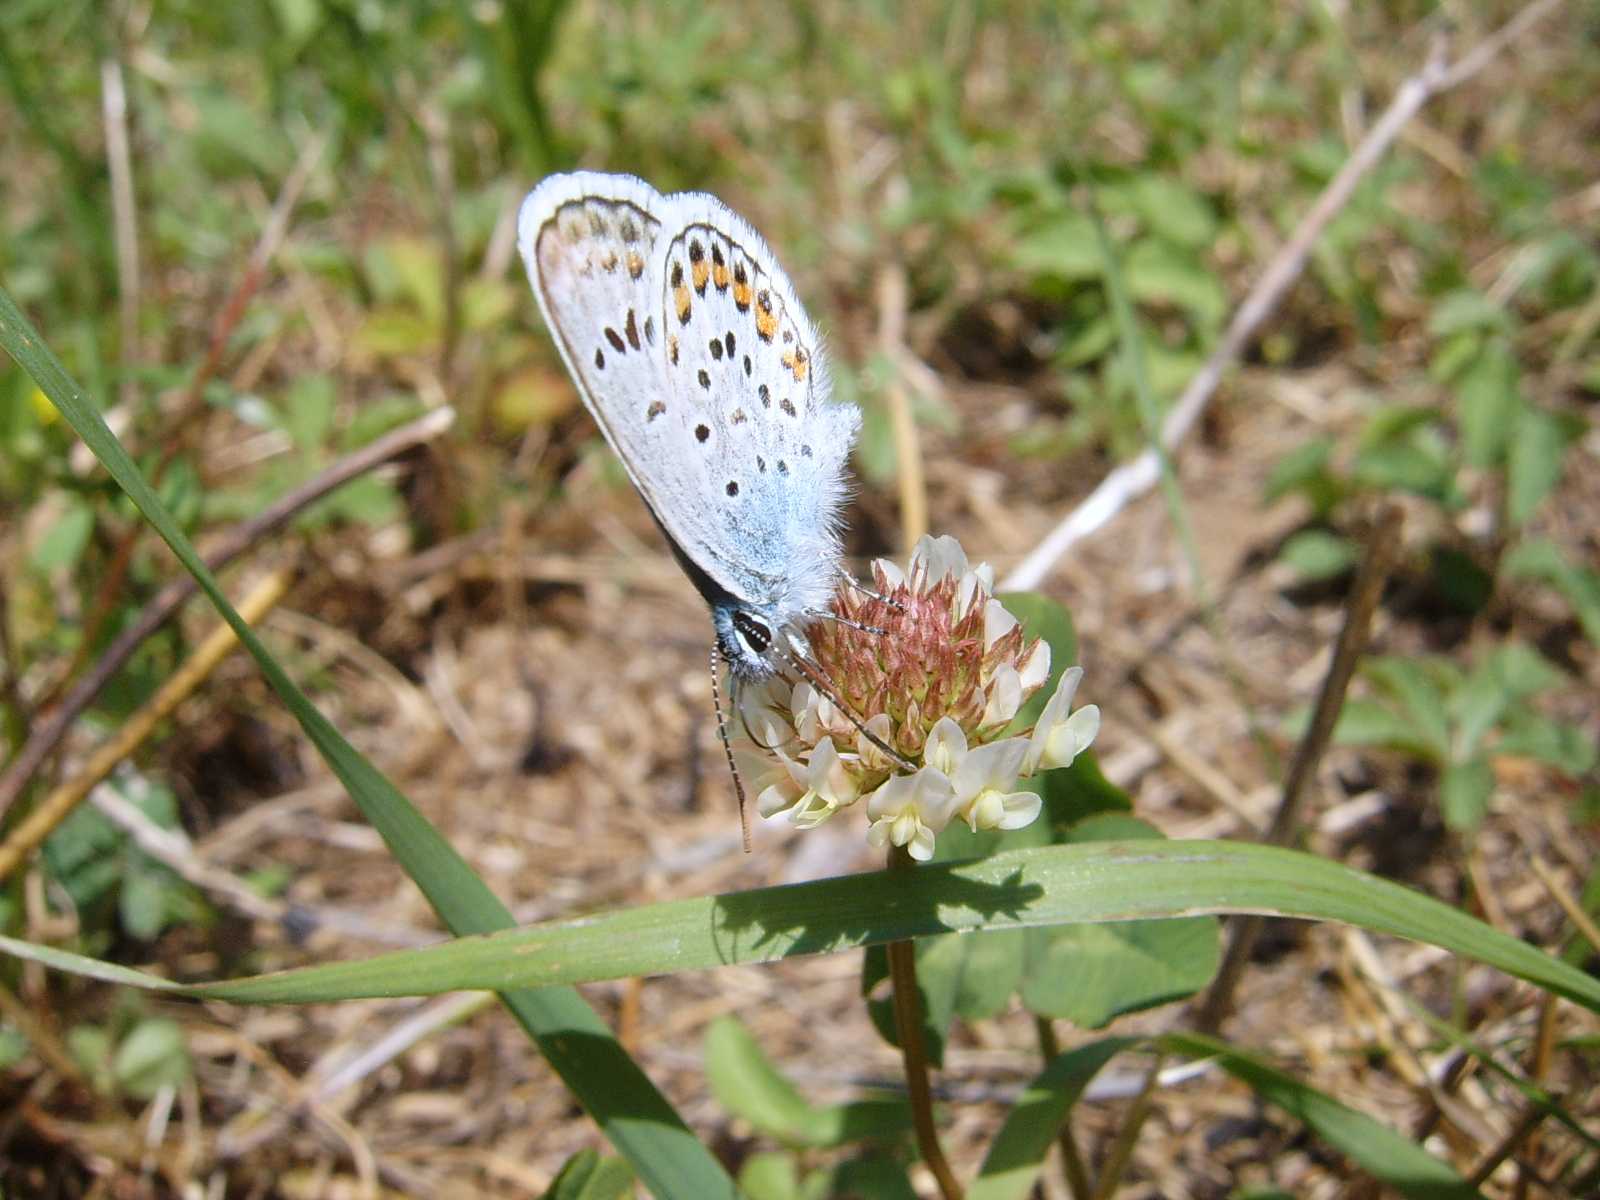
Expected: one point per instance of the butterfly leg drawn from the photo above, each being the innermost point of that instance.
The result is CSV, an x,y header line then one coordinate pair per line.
x,y
855,584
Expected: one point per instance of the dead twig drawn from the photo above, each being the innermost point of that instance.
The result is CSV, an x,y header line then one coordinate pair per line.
x,y
1133,479
48,733
1382,551
36,826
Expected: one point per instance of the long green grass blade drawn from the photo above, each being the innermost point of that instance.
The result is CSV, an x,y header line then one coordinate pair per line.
x,y
1041,885
634,1115
1376,1148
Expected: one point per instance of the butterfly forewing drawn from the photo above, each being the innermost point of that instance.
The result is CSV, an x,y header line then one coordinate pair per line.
x,y
590,243
696,358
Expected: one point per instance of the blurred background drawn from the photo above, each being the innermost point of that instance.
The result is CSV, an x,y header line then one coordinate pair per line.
x,y
262,235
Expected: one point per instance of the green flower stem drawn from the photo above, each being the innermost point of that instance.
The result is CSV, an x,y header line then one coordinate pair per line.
x,y
908,1026
1072,1165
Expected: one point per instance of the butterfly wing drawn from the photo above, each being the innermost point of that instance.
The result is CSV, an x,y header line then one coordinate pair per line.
x,y
698,363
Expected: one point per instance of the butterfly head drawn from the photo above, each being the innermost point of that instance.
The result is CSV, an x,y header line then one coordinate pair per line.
x,y
752,641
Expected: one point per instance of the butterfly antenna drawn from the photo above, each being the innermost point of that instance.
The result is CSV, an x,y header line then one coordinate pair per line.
x,y
727,746
816,680
824,614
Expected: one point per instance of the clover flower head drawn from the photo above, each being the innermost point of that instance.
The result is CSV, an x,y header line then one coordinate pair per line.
x,y
936,674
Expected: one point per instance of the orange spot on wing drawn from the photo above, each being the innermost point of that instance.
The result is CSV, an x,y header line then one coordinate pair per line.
x,y
795,360
701,273
680,297
741,295
719,276
635,264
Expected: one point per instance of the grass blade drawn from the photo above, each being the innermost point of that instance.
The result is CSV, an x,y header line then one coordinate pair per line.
x,y
1041,885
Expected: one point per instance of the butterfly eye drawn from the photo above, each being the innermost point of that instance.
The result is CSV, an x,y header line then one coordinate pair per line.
x,y
755,633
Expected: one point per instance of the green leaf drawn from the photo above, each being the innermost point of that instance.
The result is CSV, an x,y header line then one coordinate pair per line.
x,y
1419,464
1533,465
64,542
1542,559
1091,974
1316,554
1464,791
1173,210
1522,670
1467,311
1012,1165
574,1040
308,410
1510,673
395,332
1395,423
747,1085
91,1047
1377,1149
1489,400
1418,688
871,1177
1567,748
1063,249
367,500
13,1047
1301,470
1158,272
84,854
152,1056
299,19
588,1176
1365,722
142,900
1042,617
1073,793
487,303
773,1175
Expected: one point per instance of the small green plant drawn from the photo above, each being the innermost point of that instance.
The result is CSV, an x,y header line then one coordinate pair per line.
x,y
1460,721
132,1054
103,871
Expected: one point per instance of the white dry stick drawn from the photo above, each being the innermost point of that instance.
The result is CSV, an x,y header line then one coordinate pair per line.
x,y
1133,479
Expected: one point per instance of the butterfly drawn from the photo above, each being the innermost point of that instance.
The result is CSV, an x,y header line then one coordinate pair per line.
x,y
695,357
